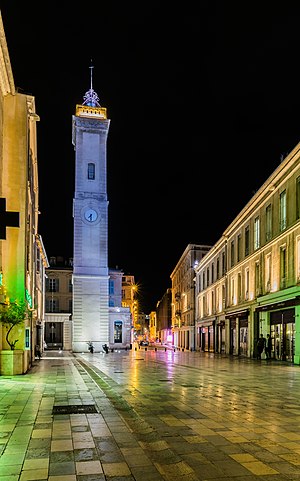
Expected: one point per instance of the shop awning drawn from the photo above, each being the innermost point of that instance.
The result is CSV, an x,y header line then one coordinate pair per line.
x,y
295,301
231,315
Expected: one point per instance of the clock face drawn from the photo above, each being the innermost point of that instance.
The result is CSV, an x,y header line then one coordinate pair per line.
x,y
90,215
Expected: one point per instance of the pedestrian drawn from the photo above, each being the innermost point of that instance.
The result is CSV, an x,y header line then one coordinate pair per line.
x,y
261,344
269,346
38,351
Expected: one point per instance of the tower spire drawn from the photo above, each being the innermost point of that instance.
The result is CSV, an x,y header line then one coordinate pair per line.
x,y
91,98
91,67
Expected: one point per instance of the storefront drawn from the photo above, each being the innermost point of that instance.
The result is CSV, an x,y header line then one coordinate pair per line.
x,y
278,320
220,337
207,336
238,332
282,325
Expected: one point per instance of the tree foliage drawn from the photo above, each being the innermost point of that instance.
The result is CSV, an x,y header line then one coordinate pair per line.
x,y
13,314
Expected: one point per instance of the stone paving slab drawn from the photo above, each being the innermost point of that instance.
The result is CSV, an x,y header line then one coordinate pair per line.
x,y
169,416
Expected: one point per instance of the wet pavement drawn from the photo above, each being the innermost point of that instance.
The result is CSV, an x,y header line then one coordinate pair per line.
x,y
149,415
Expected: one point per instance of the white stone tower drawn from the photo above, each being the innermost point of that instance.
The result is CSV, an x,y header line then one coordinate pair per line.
x,y
90,212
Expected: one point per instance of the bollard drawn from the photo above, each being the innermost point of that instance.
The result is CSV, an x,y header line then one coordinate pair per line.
x,y
135,349
174,349
182,349
145,349
165,349
155,349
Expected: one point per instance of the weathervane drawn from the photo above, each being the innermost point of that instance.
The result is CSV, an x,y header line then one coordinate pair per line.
x,y
90,97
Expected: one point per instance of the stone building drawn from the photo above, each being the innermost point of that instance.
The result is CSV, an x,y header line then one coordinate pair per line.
x,y
22,255
248,284
183,296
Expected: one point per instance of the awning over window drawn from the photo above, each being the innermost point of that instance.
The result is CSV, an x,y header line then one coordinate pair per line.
x,y
243,314
279,305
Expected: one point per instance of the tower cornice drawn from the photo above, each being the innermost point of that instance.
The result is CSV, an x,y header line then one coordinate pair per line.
x,y
90,111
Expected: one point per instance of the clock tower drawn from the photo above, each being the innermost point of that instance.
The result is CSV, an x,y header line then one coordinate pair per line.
x,y
90,213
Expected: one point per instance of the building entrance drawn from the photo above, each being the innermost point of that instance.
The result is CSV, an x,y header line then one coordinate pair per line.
x,y
283,334
220,337
243,338
54,335
207,338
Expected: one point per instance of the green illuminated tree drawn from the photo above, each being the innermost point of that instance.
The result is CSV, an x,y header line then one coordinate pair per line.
x,y
13,314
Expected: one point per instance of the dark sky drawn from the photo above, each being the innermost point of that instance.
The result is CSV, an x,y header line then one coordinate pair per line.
x,y
202,107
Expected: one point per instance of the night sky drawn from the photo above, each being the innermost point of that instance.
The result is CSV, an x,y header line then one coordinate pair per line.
x,y
203,106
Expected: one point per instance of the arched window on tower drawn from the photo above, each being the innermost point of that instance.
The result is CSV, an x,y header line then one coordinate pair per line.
x,y
91,171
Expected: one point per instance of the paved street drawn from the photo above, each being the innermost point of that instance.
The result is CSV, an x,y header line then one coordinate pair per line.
x,y
160,416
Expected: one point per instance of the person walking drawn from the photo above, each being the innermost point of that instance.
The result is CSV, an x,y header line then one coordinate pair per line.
x,y
261,344
38,351
269,346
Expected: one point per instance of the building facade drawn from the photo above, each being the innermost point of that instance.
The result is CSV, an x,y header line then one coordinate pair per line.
x,y
22,255
120,317
152,326
59,307
183,296
130,297
59,299
248,284
164,318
